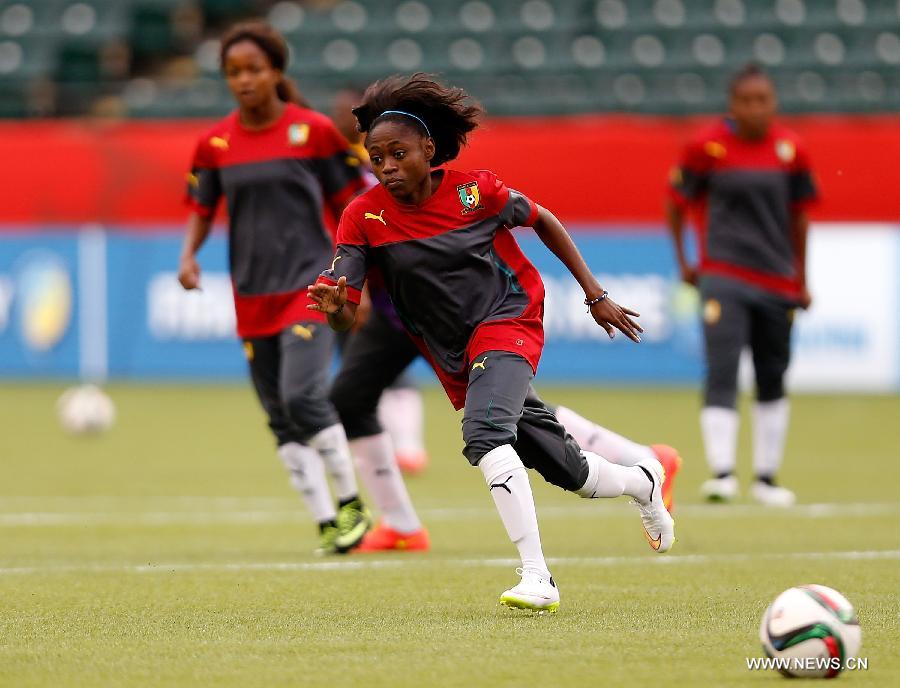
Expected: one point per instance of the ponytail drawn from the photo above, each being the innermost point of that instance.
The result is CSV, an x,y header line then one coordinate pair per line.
x,y
289,92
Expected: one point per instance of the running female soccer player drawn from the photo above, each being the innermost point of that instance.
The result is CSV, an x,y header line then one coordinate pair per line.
x,y
275,161
750,179
473,304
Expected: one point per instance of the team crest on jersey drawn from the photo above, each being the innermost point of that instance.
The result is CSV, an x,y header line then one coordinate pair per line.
x,y
470,197
298,134
785,150
219,142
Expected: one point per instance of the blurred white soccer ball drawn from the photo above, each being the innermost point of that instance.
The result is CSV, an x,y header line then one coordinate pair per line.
x,y
813,630
85,409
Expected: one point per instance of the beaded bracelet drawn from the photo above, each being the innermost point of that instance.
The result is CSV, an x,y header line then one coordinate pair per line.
x,y
591,302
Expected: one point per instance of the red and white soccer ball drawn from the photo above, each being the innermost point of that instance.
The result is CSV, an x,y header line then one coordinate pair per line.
x,y
813,630
85,409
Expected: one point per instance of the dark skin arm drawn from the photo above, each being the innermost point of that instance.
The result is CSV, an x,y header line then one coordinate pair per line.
x,y
799,233
675,220
188,267
607,313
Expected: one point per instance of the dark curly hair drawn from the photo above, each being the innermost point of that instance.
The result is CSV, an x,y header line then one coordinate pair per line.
x,y
273,45
751,70
448,112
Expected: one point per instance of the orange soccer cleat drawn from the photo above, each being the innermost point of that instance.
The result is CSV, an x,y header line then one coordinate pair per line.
x,y
671,462
412,462
384,539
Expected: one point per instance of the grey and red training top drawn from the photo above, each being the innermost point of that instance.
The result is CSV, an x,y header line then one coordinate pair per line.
x,y
455,274
276,182
746,192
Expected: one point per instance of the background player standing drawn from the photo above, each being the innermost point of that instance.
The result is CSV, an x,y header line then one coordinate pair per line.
x,y
473,304
750,181
276,163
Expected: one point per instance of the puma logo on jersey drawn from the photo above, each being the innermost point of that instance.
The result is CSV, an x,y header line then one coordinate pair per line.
x,y
334,262
479,364
220,142
303,332
373,216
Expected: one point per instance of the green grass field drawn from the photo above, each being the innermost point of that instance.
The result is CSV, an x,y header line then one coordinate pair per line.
x,y
172,551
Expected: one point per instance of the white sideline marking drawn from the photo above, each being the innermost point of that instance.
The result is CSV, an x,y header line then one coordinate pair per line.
x,y
404,561
282,512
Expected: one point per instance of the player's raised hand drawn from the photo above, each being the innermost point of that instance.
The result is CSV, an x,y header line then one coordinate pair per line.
x,y
328,299
189,272
611,317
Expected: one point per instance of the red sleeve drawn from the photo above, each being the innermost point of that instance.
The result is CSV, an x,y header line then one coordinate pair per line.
x,y
341,172
803,187
516,209
689,178
349,231
203,184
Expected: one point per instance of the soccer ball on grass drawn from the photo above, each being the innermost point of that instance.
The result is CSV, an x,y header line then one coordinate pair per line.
x,y
85,409
812,630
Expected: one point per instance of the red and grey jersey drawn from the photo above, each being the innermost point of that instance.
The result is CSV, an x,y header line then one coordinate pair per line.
x,y
747,193
455,274
276,183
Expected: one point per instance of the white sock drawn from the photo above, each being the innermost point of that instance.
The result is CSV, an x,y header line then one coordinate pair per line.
x,y
400,412
719,426
378,469
608,444
770,424
606,479
331,443
508,482
307,475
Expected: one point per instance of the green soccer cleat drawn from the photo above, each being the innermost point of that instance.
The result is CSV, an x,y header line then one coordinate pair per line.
x,y
353,521
327,537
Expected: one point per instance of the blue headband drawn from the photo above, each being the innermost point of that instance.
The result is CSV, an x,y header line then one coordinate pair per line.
x,y
406,114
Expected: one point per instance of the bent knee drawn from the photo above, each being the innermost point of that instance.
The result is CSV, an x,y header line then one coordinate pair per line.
x,y
482,436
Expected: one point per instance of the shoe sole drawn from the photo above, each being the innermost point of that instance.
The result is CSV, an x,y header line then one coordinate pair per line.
x,y
656,544
407,548
521,605
354,537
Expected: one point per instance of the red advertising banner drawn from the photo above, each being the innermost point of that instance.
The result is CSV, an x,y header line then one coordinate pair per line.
x,y
589,168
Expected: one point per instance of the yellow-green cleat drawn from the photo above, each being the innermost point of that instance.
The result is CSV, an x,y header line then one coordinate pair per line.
x,y
327,536
353,521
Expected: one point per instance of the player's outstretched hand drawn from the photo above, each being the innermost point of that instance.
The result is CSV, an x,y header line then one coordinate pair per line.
x,y
328,299
189,272
611,317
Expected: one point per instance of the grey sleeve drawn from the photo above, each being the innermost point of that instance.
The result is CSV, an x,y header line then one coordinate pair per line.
x,y
519,210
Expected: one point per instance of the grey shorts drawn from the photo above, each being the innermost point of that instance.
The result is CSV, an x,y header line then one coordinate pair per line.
x,y
502,407
735,317
290,374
